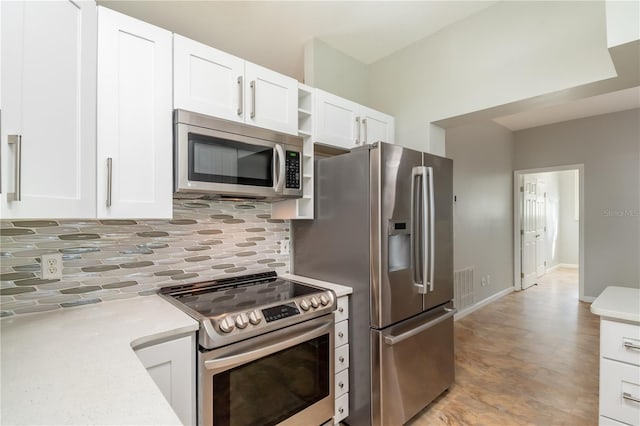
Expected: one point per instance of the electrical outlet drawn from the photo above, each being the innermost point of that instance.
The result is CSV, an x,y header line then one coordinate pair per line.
x,y
483,282
51,266
284,249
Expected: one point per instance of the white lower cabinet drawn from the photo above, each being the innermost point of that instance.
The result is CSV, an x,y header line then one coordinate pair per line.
x,y
341,391
172,367
619,373
134,151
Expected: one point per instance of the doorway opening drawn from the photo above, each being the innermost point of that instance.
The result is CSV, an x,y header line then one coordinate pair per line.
x,y
548,224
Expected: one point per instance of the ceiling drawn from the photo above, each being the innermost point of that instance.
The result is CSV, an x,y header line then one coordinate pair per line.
x,y
273,33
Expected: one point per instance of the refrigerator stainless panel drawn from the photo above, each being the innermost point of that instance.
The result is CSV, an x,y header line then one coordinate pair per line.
x,y
402,382
443,226
394,295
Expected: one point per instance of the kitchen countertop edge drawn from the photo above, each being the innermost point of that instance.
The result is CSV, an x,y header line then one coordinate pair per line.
x,y
618,303
340,290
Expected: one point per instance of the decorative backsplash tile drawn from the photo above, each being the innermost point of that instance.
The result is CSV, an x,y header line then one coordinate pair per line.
x,y
116,259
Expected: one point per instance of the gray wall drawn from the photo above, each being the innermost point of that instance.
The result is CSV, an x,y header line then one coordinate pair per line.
x,y
608,146
483,213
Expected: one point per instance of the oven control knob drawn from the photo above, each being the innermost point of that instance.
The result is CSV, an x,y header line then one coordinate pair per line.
x,y
304,305
324,300
314,302
242,321
254,318
226,325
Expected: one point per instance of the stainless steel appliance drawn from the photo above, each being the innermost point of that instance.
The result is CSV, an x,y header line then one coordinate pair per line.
x,y
384,226
223,159
266,349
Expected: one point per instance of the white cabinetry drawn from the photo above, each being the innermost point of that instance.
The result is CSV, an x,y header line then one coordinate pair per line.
x,y
172,367
301,208
134,154
346,124
209,81
48,58
619,372
341,317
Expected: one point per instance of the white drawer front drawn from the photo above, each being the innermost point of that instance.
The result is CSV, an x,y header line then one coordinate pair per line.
x,y
619,383
342,333
342,383
605,421
342,408
620,341
342,310
342,358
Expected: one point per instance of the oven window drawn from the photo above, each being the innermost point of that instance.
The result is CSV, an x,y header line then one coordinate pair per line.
x,y
271,389
225,161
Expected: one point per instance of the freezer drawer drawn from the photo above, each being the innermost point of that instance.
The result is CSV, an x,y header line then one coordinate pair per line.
x,y
412,363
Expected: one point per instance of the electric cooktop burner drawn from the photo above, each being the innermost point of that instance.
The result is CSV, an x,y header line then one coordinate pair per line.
x,y
233,309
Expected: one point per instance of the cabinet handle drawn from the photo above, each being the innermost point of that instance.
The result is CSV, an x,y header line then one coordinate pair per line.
x,y
340,410
630,345
341,335
109,180
17,141
341,359
358,130
341,309
627,395
340,385
253,98
240,101
364,124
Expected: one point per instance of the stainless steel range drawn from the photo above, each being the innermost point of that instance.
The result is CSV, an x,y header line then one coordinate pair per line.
x,y
265,349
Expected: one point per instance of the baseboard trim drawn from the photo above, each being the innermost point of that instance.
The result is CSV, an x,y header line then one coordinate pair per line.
x,y
587,299
563,265
483,302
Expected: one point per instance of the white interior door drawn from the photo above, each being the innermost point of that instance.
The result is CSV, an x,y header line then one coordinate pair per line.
x,y
541,228
528,232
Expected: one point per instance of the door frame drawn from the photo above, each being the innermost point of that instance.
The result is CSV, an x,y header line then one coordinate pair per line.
x,y
517,203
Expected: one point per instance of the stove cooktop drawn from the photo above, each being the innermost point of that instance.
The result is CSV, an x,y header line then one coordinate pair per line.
x,y
234,309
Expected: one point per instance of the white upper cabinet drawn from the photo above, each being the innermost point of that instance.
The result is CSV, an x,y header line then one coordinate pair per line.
x,y
209,81
346,124
134,154
48,109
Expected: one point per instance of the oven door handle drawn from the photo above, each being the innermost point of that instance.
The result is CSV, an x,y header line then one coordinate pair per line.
x,y
261,350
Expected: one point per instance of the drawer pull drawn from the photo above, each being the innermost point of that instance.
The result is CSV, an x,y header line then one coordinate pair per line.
x,y
627,395
340,410
341,309
630,345
341,359
341,335
340,385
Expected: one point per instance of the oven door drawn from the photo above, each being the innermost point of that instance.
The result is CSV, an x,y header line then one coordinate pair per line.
x,y
283,377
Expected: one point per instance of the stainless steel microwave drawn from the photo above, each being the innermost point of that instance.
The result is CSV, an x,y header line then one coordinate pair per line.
x,y
222,159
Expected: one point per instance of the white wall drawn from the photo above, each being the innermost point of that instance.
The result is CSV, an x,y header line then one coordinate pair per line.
x,y
483,220
329,69
569,224
608,146
622,21
508,52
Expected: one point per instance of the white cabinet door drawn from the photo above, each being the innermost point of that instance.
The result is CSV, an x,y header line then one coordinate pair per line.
x,y
271,99
207,80
48,102
376,127
337,121
172,366
134,159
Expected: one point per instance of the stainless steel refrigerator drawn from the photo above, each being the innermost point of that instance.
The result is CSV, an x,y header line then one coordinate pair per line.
x,y
384,226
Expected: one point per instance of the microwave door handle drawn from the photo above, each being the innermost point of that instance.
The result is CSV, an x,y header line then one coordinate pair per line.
x,y
432,233
279,171
417,224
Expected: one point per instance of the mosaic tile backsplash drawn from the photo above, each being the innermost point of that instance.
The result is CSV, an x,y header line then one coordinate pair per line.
x,y
116,259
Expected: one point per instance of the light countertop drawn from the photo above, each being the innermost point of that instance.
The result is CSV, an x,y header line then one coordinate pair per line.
x,y
77,366
618,303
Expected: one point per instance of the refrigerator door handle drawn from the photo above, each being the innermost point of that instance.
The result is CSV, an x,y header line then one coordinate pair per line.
x,y
418,222
432,228
392,340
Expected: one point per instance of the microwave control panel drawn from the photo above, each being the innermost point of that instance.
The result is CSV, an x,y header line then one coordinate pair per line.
x,y
292,170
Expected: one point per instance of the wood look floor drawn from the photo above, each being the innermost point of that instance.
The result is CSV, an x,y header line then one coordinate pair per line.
x,y
529,358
